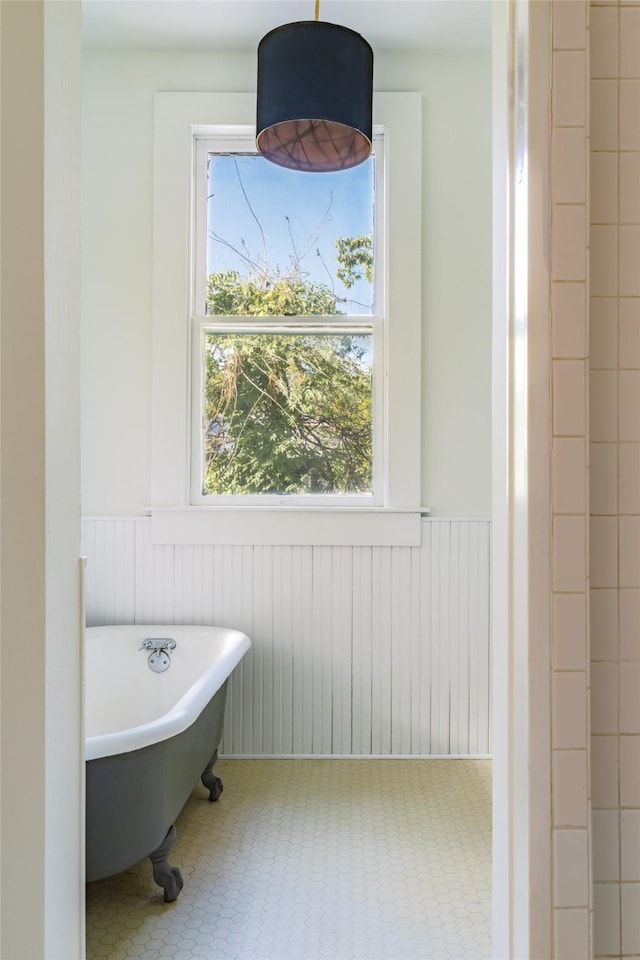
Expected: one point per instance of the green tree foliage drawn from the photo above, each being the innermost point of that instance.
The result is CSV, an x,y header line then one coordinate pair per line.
x,y
355,256
268,295
284,413
287,414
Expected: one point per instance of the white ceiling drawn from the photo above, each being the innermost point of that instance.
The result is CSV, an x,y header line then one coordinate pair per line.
x,y
434,25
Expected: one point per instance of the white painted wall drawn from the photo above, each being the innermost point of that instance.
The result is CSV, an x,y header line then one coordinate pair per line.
x,y
117,266
42,814
64,706
22,520
355,650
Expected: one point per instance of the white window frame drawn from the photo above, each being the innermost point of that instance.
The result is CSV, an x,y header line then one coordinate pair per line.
x,y
179,118
243,142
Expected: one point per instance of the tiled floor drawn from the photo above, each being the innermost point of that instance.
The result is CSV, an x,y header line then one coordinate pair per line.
x,y
316,860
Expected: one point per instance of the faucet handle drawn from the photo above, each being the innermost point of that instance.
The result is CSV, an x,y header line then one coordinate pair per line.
x,y
158,643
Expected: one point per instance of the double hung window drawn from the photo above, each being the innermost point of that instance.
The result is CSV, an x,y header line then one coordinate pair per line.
x,y
286,333
287,330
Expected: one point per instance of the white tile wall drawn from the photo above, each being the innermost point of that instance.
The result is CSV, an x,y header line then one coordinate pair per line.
x,y
606,920
615,436
629,603
604,698
604,187
604,42
603,330
604,115
569,711
568,300
630,906
606,847
629,42
630,771
570,631
604,244
568,165
568,242
630,251
568,467
629,115
569,553
629,478
629,551
603,476
630,698
569,26
629,401
572,927
570,344
605,772
569,100
570,788
630,845
629,307
604,624
604,552
571,861
603,389
629,187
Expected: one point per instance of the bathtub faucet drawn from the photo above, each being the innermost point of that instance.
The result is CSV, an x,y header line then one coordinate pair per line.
x,y
158,643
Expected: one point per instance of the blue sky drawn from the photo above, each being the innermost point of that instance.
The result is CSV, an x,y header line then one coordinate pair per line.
x,y
275,193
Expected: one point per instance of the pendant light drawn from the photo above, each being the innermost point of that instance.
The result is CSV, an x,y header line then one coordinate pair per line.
x,y
315,92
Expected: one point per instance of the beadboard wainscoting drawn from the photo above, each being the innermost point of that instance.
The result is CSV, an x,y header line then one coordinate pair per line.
x,y
366,651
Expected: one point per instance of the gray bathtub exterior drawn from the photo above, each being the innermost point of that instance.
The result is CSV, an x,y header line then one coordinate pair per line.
x,y
134,798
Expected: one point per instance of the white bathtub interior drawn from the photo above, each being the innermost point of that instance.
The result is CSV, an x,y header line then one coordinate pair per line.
x,y
128,706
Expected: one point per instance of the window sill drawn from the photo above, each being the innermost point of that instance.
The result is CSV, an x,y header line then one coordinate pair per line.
x,y
285,526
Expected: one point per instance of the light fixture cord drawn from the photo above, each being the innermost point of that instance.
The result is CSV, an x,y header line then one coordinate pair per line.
x,y
317,9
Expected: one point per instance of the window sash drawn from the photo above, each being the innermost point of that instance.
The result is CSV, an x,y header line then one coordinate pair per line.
x,y
202,326
178,116
247,323
205,144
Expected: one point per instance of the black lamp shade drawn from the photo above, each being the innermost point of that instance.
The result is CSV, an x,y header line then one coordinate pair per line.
x,y
315,90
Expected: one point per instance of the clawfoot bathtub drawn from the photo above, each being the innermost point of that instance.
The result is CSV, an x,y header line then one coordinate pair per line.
x,y
155,698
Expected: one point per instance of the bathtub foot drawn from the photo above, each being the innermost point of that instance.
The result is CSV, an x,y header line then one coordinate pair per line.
x,y
210,781
164,874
